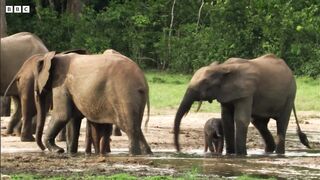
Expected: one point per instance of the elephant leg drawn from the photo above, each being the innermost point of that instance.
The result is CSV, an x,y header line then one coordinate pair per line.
x,y
16,116
210,143
88,138
116,131
54,127
219,145
73,132
61,115
242,117
17,129
96,137
228,128
106,132
134,141
205,142
282,125
262,125
62,135
144,145
34,124
28,112
5,106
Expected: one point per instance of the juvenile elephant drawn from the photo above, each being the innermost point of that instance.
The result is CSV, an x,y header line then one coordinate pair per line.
x,y
15,50
104,88
24,80
260,89
99,136
213,135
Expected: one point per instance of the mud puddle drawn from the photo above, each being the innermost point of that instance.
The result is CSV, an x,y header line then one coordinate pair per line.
x,y
292,165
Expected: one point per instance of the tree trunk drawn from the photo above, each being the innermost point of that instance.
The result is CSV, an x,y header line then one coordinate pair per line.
x,y
74,7
3,19
170,32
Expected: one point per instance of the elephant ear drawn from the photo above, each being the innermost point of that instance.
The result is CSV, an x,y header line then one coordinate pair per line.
x,y
238,81
43,71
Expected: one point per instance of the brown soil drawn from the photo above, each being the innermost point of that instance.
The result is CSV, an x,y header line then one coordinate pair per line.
x,y
26,157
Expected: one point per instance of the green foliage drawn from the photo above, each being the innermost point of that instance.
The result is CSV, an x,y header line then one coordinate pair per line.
x,y
140,30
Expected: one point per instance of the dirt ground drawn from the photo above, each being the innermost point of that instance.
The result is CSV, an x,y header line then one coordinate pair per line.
x,y
26,157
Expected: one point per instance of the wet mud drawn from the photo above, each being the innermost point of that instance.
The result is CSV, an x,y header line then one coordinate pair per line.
x,y
298,162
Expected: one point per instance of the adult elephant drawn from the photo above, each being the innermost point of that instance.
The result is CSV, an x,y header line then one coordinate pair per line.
x,y
260,89
15,50
104,88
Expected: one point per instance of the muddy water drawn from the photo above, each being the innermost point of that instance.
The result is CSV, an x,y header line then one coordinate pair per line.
x,y
292,165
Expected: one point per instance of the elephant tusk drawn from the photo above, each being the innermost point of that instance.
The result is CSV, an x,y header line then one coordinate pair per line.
x,y
199,106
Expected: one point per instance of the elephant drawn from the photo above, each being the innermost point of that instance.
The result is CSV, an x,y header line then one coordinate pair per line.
x,y
5,108
15,50
104,88
99,136
260,88
24,80
213,135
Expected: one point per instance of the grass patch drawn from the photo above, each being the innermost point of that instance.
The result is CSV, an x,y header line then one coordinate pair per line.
x,y
167,90
308,94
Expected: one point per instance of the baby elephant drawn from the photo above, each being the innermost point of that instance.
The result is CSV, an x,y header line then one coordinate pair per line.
x,y
99,136
213,135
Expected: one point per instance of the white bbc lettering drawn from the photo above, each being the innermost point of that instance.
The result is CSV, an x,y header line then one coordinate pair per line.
x,y
25,9
9,9
17,9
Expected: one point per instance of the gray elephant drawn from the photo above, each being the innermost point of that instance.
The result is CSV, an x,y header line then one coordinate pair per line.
x,y
104,88
15,50
99,136
213,135
260,89
24,80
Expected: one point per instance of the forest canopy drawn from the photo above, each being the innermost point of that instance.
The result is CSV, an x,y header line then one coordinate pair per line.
x,y
179,35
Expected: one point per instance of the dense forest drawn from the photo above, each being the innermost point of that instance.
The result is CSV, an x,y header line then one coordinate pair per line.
x,y
179,35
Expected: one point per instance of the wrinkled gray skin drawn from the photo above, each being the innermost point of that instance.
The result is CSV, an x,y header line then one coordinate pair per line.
x,y
260,89
99,136
105,88
15,50
213,136
24,80
5,106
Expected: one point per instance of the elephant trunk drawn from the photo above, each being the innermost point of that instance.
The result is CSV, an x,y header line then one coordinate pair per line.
x,y
183,109
41,115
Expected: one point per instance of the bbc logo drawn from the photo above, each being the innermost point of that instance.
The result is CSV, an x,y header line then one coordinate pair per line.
x,y
17,9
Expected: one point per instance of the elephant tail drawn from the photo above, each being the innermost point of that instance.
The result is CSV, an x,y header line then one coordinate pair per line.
x,y
148,115
302,136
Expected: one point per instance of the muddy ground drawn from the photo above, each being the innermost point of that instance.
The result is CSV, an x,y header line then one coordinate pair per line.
x,y
298,163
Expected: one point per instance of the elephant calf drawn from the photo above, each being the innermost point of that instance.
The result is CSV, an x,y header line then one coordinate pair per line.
x,y
213,135
99,136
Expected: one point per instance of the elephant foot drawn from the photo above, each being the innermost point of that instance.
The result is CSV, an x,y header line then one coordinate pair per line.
x,y
53,147
61,138
147,151
57,150
9,132
269,149
135,151
27,139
